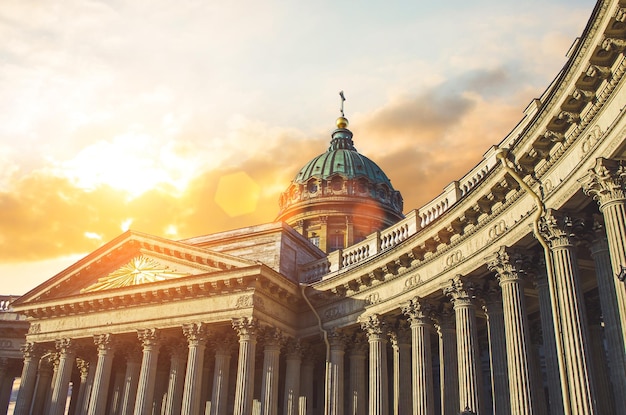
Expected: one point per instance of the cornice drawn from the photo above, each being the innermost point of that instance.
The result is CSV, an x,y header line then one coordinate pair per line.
x,y
199,286
486,202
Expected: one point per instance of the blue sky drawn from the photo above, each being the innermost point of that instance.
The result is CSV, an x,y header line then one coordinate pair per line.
x,y
117,115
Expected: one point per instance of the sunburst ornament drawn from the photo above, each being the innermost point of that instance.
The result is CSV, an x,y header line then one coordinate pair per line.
x,y
140,270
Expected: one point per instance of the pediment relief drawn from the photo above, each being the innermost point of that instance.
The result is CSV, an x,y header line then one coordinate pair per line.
x,y
132,260
139,270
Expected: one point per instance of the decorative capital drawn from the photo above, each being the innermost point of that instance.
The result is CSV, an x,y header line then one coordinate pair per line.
x,y
605,182
65,346
507,263
418,311
273,337
246,327
558,228
103,342
83,367
224,343
374,326
31,350
177,348
337,339
195,333
293,348
462,292
444,318
149,338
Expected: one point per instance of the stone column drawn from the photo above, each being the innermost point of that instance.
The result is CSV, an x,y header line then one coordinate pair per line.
x,y
555,399
305,404
131,379
570,314
43,388
334,375
67,353
196,334
506,263
293,359
223,349
492,305
463,295
150,341
357,404
448,362
375,329
246,328
604,390
6,383
178,356
118,389
32,354
273,339
401,346
606,183
102,377
83,370
610,312
418,311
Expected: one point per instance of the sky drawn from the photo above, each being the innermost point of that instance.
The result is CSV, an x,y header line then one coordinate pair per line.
x,y
186,118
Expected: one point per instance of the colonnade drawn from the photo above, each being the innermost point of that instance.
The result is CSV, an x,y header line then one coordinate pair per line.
x,y
424,356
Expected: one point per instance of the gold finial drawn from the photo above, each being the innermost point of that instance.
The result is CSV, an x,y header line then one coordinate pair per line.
x,y
342,122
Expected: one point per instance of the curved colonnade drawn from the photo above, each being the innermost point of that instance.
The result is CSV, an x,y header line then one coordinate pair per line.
x,y
501,296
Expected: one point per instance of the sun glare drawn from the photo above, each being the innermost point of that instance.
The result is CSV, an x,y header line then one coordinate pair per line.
x,y
132,162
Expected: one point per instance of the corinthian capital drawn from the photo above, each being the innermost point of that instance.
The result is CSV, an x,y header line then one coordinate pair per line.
x,y
196,332
460,291
104,342
418,311
149,338
605,182
246,327
507,263
559,229
374,326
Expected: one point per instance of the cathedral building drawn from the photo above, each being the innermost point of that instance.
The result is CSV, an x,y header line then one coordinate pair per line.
x,y
503,295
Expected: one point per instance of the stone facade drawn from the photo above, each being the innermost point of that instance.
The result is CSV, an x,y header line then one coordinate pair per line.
x,y
500,296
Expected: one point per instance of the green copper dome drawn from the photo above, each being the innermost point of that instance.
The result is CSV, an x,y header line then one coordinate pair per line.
x,y
341,173
342,159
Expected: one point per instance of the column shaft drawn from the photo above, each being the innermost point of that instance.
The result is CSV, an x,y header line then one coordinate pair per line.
x,y
292,378
246,329
147,375
219,400
574,330
448,362
131,381
378,387
196,337
305,403
334,375
102,377
29,377
62,380
269,384
469,369
174,399
497,351
610,317
357,404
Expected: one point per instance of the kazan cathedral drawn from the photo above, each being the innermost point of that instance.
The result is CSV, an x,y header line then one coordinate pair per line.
x,y
503,295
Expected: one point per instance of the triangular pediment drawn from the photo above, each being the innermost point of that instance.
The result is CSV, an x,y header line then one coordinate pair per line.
x,y
132,260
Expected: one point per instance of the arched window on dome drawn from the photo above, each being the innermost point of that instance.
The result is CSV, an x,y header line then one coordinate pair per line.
x,y
383,192
362,186
336,241
312,186
336,183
